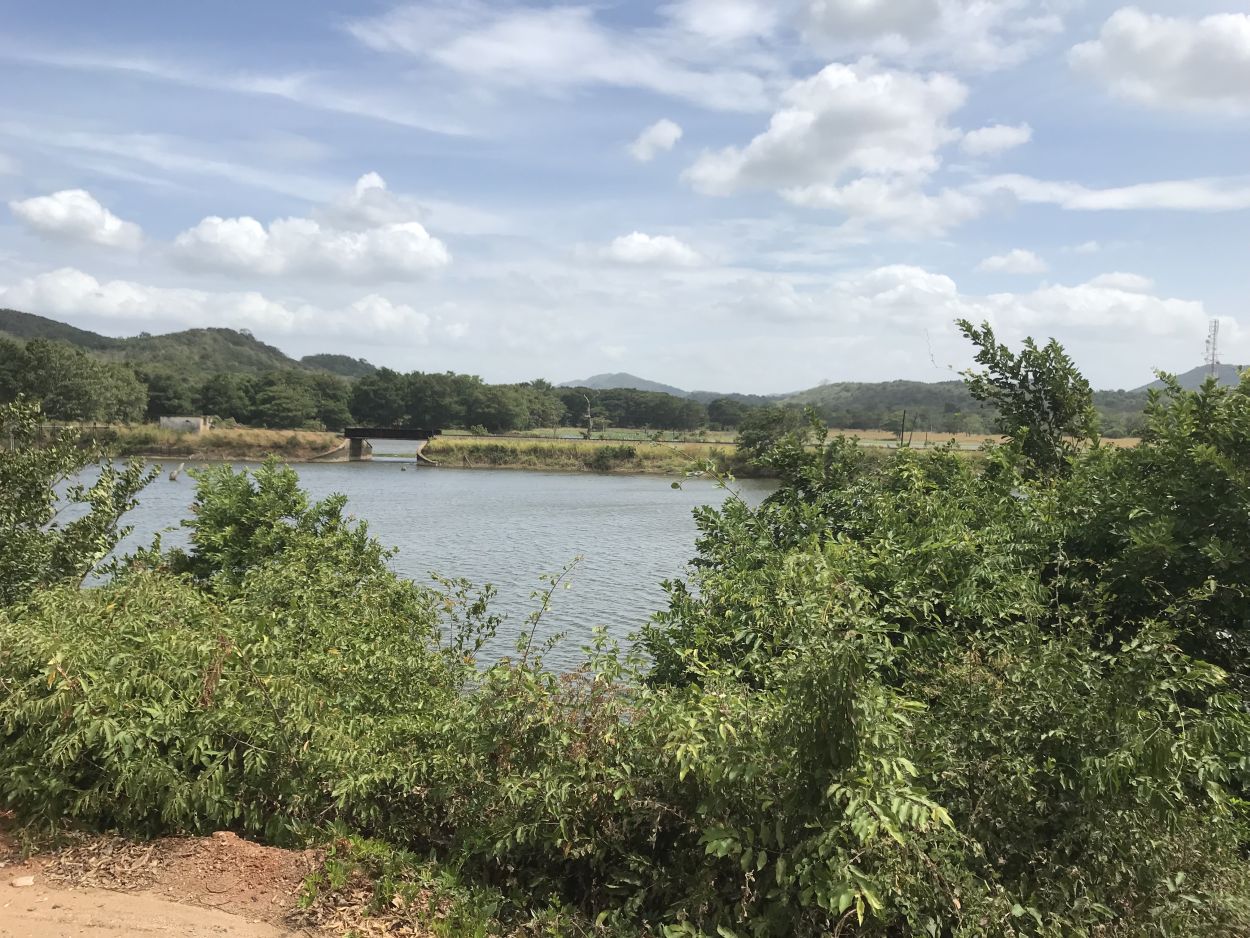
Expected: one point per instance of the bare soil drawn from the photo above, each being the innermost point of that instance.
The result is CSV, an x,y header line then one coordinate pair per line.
x,y
106,887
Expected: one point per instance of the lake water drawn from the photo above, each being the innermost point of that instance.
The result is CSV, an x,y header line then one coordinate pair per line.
x,y
508,528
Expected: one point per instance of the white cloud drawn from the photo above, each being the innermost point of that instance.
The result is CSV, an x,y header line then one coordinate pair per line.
x,y
659,137
370,243
990,141
1172,61
68,292
915,300
1114,301
1018,261
75,215
845,120
1086,247
978,34
560,47
899,206
725,21
652,250
370,203
1189,195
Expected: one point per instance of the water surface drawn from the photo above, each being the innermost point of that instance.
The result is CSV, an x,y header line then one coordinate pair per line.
x,y
507,528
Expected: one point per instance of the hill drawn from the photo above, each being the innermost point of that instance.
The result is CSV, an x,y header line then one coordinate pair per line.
x,y
26,326
342,365
624,381
1194,378
190,353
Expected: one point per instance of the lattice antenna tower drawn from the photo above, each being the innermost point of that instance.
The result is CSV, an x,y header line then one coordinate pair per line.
x,y
1213,349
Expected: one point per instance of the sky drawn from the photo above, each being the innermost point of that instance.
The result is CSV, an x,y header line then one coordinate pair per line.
x,y
731,195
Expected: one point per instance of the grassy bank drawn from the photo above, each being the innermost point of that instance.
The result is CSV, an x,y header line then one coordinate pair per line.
x,y
576,455
217,444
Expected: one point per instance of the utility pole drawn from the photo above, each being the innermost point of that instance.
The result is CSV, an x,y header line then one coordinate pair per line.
x,y
590,419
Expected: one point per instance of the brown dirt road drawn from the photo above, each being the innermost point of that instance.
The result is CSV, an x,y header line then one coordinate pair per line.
x,y
102,887
40,911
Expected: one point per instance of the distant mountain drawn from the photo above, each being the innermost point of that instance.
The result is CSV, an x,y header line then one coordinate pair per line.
x,y
1194,378
342,365
624,380
192,352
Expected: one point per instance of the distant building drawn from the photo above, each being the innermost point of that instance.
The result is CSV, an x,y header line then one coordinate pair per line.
x,y
186,424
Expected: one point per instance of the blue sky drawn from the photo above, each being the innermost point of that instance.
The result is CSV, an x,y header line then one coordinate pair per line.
x,y
720,194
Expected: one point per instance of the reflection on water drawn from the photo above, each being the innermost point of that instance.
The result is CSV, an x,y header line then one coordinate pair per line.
x,y
508,528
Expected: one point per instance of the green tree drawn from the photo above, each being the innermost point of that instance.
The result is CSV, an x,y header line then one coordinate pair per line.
x,y
226,395
1044,404
169,394
284,402
61,505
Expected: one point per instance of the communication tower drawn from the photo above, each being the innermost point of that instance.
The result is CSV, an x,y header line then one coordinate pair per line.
x,y
1213,349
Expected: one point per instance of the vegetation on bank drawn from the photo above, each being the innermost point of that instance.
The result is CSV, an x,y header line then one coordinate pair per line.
x,y
221,443
577,456
908,695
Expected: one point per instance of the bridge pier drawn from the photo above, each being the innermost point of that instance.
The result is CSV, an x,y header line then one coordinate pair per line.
x,y
360,448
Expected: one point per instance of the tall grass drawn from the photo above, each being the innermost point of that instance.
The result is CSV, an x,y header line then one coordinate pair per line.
x,y
225,443
575,455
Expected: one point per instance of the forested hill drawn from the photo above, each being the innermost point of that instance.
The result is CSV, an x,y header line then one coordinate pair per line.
x,y
25,326
194,352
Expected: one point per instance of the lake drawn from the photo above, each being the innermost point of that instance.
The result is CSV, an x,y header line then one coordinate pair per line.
x,y
508,528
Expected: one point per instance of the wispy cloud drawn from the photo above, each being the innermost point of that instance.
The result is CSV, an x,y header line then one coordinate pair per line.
x,y
318,91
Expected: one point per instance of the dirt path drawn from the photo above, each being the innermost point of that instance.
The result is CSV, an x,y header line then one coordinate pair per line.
x,y
41,911
106,887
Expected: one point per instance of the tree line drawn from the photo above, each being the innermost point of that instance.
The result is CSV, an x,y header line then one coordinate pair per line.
x,y
73,385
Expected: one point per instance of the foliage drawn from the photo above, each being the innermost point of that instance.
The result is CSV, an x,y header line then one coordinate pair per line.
x,y
69,384
56,524
911,694
342,365
1044,404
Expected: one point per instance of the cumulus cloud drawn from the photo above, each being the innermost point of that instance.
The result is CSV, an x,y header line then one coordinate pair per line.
x,y
913,298
1172,61
856,139
652,250
373,242
1018,261
75,215
1116,301
978,34
71,293
561,47
370,203
659,137
990,141
845,120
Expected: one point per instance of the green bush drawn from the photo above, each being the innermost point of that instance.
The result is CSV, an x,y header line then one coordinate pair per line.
x,y
911,694
611,456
